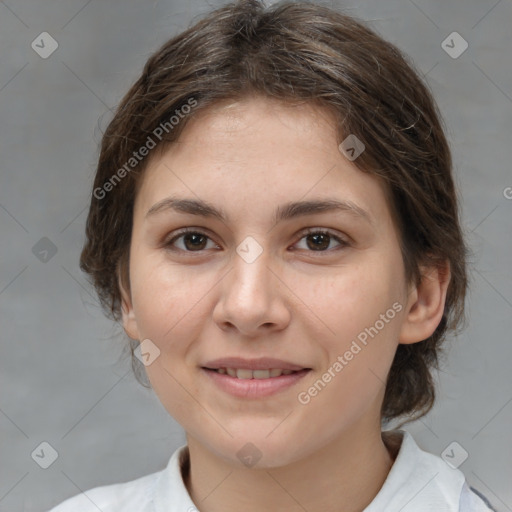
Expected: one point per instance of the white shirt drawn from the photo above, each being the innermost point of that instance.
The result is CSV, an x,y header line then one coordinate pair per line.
x,y
417,482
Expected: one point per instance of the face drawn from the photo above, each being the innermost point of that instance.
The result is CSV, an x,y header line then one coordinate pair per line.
x,y
322,290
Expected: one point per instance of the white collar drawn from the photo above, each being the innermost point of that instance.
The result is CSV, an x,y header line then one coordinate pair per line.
x,y
417,482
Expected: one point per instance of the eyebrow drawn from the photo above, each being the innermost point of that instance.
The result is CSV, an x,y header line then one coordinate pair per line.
x,y
283,212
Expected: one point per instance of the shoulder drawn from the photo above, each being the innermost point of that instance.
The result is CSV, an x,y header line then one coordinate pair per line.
x,y
473,501
450,481
162,490
132,496
420,481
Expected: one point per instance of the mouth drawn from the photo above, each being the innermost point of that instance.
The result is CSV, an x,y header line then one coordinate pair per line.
x,y
253,378
244,373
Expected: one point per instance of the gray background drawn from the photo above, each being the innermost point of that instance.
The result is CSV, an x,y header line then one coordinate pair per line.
x,y
62,380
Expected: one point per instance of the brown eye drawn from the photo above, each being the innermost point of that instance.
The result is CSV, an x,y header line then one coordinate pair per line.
x,y
196,241
193,241
320,240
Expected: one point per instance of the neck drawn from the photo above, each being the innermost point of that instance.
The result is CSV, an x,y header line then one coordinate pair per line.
x,y
343,476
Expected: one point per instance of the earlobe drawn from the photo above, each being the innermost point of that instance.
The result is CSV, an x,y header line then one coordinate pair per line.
x,y
425,306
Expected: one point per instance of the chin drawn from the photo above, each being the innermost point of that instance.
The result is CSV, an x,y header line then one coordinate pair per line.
x,y
257,451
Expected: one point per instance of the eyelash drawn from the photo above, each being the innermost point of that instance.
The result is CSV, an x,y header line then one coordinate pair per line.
x,y
343,243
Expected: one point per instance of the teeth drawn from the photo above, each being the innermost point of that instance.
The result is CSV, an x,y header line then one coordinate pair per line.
x,y
261,374
243,373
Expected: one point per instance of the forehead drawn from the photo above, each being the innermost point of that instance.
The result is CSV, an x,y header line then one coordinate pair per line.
x,y
256,153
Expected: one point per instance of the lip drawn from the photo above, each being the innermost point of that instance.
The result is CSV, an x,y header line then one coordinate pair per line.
x,y
261,363
254,388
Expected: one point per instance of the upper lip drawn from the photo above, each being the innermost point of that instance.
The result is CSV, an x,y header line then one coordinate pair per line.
x,y
262,363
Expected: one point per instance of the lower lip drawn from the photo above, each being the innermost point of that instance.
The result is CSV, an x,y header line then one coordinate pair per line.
x,y
253,388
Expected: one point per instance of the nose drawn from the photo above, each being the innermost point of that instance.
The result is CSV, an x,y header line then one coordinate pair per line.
x,y
252,298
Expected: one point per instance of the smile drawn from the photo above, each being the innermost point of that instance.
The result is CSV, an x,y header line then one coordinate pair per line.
x,y
253,384
244,373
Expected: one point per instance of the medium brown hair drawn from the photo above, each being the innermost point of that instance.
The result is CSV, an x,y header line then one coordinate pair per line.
x,y
296,52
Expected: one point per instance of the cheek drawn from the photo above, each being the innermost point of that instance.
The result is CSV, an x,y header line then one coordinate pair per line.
x,y
356,296
167,300
362,308
171,308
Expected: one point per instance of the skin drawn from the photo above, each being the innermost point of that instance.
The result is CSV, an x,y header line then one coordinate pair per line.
x,y
293,302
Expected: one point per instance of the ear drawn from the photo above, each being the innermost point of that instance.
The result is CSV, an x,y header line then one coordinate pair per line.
x,y
425,305
129,321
